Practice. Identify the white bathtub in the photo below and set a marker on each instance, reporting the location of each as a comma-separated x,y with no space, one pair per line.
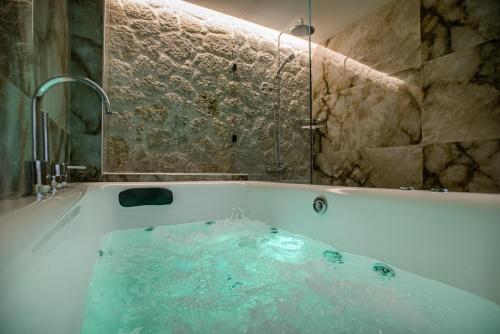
48,249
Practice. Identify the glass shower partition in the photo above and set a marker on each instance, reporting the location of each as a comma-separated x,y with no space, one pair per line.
198,92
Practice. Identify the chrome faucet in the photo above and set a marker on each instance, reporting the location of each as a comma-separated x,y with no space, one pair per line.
42,174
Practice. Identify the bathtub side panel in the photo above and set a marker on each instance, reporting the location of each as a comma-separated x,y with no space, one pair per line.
452,241
191,202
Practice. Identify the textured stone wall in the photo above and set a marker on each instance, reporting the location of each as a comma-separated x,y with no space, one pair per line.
33,48
180,107
409,96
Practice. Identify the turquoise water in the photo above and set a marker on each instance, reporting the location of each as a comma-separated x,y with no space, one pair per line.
243,276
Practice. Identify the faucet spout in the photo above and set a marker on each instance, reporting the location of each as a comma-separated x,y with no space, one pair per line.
40,176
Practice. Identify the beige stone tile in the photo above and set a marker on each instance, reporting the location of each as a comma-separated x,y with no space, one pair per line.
449,26
333,72
391,167
388,111
472,166
341,122
462,95
388,40
118,154
379,113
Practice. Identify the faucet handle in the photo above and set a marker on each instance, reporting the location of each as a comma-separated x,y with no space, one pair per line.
59,175
77,167
66,168
57,169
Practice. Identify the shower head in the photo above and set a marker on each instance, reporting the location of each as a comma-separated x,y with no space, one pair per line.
301,29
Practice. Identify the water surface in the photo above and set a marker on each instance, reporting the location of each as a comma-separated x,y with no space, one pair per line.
244,276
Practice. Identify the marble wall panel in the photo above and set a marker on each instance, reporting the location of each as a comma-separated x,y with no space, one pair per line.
387,40
51,43
86,19
33,36
16,36
382,112
85,107
367,96
341,126
333,72
59,142
391,167
388,113
462,95
448,99
51,15
463,166
16,86
452,25
15,143
86,60
86,151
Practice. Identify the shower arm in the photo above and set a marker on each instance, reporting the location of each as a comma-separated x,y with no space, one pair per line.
279,44
284,30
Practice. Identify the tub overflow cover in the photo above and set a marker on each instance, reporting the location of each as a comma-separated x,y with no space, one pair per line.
320,205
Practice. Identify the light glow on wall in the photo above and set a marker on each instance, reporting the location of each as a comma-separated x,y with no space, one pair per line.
354,68
215,18
209,17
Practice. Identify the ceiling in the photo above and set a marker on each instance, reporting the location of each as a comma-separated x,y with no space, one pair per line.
328,16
